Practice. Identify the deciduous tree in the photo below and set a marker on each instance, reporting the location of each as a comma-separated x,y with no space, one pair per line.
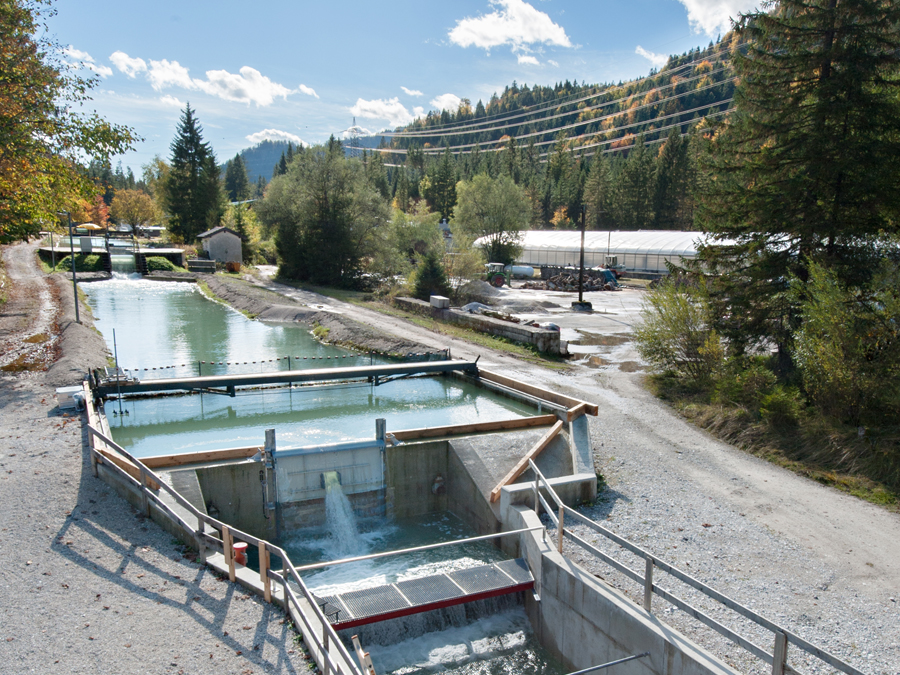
496,210
43,136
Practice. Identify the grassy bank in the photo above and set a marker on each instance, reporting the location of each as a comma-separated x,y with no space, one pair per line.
864,466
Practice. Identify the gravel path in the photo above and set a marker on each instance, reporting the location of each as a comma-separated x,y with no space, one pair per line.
86,584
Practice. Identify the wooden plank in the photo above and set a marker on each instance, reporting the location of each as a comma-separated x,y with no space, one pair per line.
228,551
125,465
522,464
163,461
264,563
538,392
476,428
576,412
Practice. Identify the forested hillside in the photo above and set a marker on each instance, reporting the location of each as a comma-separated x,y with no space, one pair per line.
627,151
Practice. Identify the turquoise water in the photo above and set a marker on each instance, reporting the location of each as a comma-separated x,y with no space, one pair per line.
165,425
166,329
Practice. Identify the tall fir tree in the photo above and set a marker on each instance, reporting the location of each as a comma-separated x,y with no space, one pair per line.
806,168
193,192
634,201
237,185
670,182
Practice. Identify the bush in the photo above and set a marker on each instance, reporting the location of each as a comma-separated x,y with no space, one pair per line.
782,407
430,278
745,382
676,334
84,262
159,264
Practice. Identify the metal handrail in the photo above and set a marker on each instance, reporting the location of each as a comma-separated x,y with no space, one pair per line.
147,495
782,635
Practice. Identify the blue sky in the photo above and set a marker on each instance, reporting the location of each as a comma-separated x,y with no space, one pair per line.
301,70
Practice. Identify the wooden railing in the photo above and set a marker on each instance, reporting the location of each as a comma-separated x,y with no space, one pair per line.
783,637
286,577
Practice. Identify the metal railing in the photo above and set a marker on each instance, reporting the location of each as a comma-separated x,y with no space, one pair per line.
329,639
782,636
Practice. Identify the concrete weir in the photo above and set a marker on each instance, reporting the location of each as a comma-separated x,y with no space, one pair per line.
495,476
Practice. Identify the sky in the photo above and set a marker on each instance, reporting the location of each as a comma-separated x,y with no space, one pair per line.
301,71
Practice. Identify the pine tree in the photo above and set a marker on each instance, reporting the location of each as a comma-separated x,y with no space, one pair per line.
237,185
670,182
806,168
193,192
598,194
634,208
441,186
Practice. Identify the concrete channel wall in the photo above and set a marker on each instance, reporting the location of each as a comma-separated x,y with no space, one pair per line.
544,340
584,622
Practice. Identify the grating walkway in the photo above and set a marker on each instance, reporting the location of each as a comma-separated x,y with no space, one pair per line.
370,605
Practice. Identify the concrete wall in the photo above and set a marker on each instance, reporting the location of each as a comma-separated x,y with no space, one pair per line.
543,340
410,472
584,622
223,247
235,492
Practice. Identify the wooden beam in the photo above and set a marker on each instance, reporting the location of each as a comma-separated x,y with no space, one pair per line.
576,412
520,467
476,428
163,461
538,392
115,458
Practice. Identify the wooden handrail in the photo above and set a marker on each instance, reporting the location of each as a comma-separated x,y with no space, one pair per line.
523,463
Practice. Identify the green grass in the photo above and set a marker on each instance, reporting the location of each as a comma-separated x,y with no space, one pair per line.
207,291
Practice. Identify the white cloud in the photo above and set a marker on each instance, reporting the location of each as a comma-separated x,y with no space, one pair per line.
446,102
360,131
166,73
514,23
309,91
76,58
658,60
250,86
171,100
528,60
411,92
714,16
128,65
553,63
274,135
391,110
418,111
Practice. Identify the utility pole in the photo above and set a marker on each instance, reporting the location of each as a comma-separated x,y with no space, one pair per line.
581,305
72,259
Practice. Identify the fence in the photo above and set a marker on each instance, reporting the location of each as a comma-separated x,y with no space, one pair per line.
782,636
134,473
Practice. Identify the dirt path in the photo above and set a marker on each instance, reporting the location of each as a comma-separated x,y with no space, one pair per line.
27,335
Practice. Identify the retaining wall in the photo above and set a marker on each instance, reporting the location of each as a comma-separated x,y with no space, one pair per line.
544,340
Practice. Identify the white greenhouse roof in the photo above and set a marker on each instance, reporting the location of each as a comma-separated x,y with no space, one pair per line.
662,242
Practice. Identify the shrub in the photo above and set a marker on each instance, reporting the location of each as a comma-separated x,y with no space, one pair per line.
430,278
745,382
84,262
159,264
781,407
676,335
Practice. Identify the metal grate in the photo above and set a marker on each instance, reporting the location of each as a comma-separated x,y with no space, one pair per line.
480,579
426,590
517,569
374,601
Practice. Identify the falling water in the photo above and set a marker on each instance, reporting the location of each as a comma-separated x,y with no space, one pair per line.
344,539
122,265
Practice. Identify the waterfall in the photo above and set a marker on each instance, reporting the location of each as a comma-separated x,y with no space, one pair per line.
343,533
122,265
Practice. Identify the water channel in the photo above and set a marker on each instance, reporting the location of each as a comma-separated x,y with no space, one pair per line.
173,327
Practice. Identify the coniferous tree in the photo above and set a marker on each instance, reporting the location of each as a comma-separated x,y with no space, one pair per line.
634,205
441,185
806,168
670,182
260,189
237,185
193,193
598,194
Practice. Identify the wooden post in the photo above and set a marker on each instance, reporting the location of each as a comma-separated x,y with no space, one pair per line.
326,655
779,658
264,563
648,585
145,500
562,513
228,550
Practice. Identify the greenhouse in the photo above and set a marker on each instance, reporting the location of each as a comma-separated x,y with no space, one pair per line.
642,251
